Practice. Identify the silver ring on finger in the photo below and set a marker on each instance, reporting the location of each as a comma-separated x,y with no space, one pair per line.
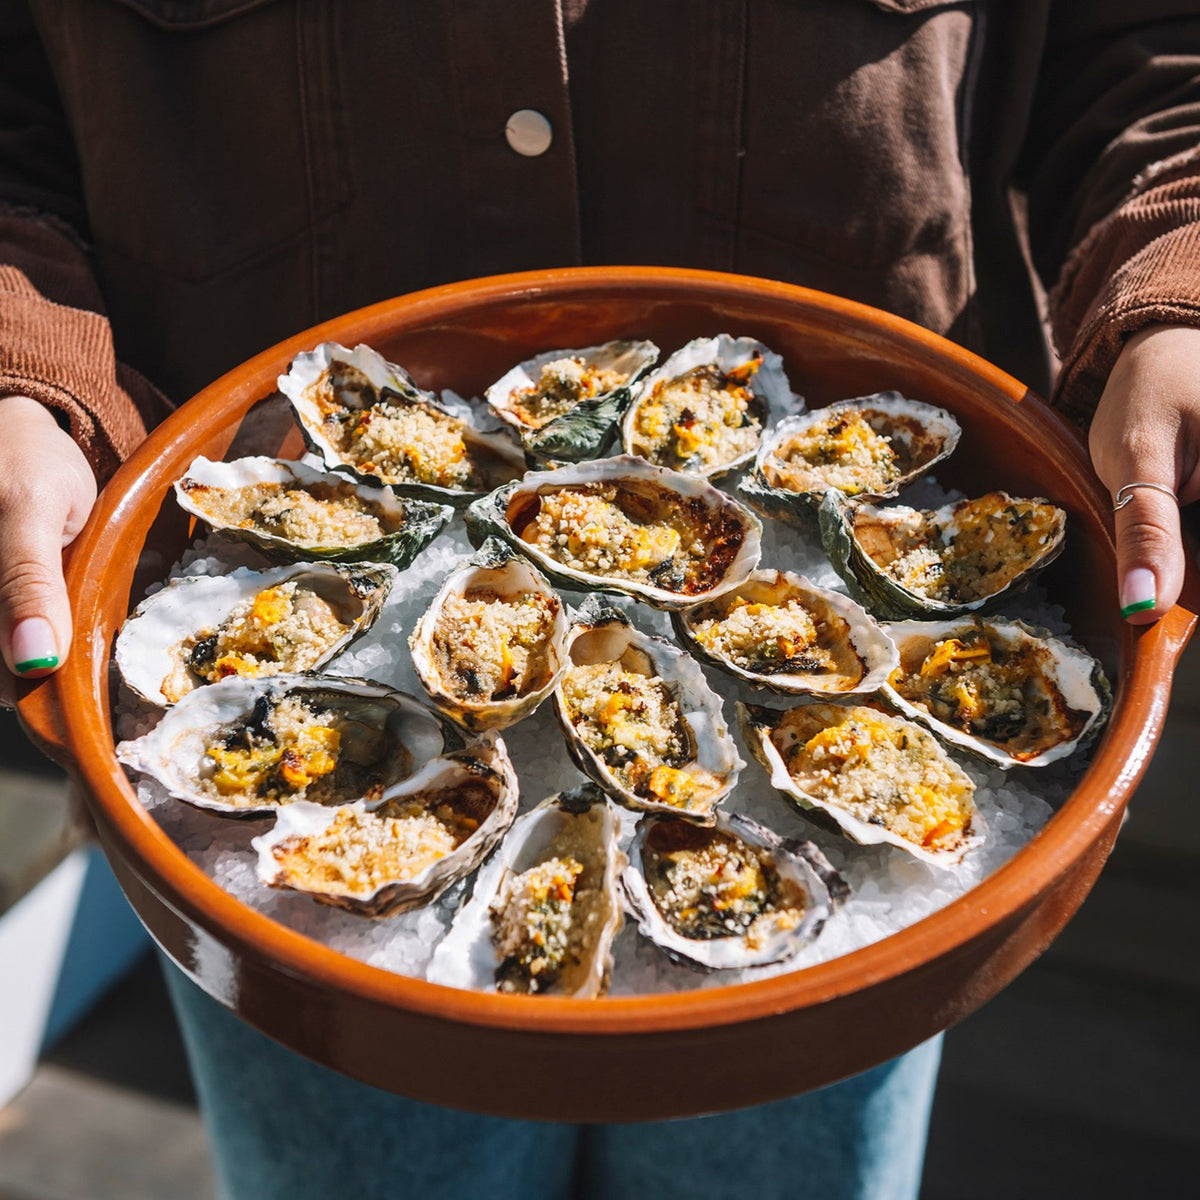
1125,492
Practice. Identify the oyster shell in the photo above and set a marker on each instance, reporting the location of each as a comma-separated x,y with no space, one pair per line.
249,746
881,778
641,720
547,907
728,896
292,512
363,414
252,623
1006,691
777,630
622,525
491,646
868,448
966,556
565,404
704,410
404,849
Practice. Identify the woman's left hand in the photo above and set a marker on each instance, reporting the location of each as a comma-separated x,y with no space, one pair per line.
1147,430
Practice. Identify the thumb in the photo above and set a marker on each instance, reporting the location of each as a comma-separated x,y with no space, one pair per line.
35,616
1150,560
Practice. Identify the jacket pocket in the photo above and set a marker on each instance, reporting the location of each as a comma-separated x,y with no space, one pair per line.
209,132
851,144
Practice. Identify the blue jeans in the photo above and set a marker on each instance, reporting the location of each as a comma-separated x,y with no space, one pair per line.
283,1128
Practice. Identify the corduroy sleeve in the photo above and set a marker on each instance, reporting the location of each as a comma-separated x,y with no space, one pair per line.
55,343
58,352
1115,186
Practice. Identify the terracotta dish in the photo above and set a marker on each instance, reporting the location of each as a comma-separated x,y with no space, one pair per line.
625,1058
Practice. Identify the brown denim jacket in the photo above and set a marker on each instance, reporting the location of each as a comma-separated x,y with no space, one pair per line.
213,175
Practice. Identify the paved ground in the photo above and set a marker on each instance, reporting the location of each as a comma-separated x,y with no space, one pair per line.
1078,1081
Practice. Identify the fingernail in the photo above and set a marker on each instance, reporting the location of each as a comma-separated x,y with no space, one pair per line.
34,646
1138,592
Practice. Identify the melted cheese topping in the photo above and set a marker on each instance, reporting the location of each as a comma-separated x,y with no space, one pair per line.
492,649
360,851
317,516
613,531
984,545
879,768
698,421
1003,693
394,437
768,639
284,628
633,724
708,884
290,749
532,924
562,384
842,451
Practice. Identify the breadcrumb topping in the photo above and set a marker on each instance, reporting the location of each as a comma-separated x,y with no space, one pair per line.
709,884
486,648
562,384
881,769
634,724
986,543
613,530
701,420
313,516
283,628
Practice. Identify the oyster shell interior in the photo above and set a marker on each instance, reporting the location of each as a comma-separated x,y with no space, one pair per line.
490,647
869,447
564,404
248,746
641,720
705,409
362,412
963,556
292,511
622,525
403,849
880,777
732,895
545,910
997,688
780,631
201,629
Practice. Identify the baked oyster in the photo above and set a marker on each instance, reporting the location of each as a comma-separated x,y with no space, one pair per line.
867,448
293,512
363,414
246,747
999,688
640,719
779,631
730,895
622,525
881,778
705,409
546,908
404,849
204,628
491,646
966,556
565,404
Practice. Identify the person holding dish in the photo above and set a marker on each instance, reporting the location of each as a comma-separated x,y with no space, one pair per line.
244,170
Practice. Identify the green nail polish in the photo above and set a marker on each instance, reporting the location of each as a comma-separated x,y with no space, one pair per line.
37,664
1130,609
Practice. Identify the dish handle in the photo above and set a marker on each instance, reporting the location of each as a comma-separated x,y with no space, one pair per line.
40,713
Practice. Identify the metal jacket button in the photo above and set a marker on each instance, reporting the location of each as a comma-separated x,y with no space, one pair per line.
528,132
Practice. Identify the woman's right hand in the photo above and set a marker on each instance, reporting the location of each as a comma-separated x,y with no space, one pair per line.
47,490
